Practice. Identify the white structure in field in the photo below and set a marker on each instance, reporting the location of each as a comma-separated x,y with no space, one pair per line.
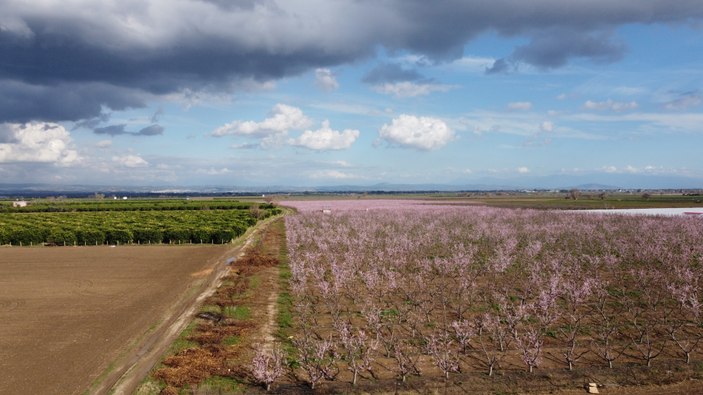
19,203
687,211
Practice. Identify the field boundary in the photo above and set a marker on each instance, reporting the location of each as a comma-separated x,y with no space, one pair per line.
124,375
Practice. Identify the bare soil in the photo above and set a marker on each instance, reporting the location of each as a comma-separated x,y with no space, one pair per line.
69,315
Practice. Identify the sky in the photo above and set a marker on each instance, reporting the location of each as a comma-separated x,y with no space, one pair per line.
351,92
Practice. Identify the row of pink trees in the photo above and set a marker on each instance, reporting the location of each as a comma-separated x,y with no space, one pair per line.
395,291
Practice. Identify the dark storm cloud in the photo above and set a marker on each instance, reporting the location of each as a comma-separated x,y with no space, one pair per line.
391,72
152,130
68,60
22,102
553,48
92,123
121,129
112,130
500,66
440,32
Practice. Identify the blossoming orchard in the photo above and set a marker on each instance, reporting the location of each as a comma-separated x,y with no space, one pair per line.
406,290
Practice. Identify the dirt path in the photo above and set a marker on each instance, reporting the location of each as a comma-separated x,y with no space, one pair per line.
272,311
272,280
267,308
126,377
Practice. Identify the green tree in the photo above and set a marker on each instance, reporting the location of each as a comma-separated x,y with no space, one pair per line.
90,236
223,236
28,236
203,235
4,236
61,236
118,236
177,235
147,235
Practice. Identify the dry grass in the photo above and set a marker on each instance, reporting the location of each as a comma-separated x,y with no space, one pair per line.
220,341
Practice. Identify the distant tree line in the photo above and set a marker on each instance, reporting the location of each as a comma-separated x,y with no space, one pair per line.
131,205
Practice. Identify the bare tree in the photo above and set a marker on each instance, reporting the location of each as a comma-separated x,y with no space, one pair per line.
606,329
494,338
268,365
574,194
406,359
440,349
317,358
530,343
358,349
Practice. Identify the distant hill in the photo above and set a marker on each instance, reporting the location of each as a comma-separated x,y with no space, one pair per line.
603,181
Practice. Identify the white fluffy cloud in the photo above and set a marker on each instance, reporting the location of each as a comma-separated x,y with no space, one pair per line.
281,119
325,80
523,170
326,139
411,89
36,142
131,161
423,133
610,105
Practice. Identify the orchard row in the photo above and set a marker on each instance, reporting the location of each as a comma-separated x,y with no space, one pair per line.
438,290
125,227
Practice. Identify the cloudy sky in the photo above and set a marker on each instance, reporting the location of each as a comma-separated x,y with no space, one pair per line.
319,92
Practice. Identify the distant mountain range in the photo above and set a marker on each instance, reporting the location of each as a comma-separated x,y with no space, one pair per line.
555,182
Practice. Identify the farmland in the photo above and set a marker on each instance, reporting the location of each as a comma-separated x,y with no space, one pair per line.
74,317
374,295
213,354
420,296
136,222
589,200
69,313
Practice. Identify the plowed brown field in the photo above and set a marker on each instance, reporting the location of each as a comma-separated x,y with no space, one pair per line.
67,314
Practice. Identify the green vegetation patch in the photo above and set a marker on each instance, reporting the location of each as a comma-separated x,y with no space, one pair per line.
231,340
182,343
65,225
218,384
237,312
